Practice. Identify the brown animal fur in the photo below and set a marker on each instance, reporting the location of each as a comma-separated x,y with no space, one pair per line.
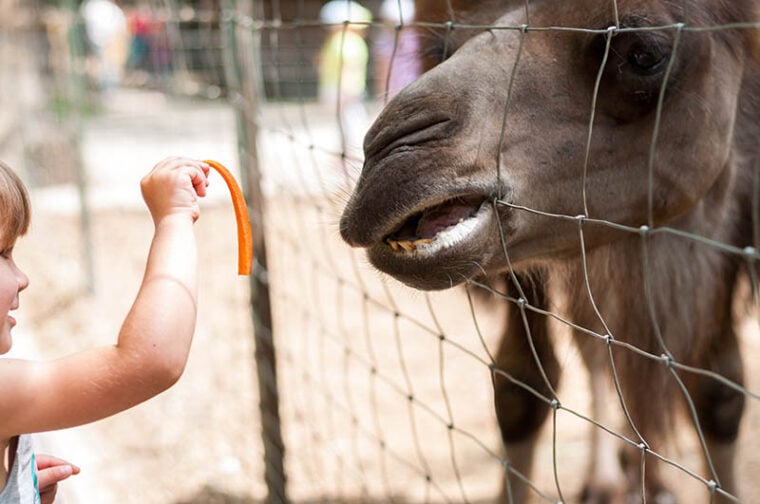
505,119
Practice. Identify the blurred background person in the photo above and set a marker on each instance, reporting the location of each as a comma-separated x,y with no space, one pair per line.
395,48
141,27
343,62
106,28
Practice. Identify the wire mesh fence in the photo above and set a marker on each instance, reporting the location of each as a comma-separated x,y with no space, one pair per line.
370,391
386,393
82,150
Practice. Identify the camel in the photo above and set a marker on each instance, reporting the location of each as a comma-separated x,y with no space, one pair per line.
598,156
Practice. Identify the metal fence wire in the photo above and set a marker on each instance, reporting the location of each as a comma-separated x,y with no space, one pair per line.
385,393
370,391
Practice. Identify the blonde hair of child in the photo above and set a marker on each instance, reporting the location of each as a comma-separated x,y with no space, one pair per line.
15,207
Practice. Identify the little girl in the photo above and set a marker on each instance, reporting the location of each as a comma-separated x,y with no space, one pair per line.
148,357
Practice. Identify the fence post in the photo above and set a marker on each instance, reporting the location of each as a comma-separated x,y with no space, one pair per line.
76,91
240,61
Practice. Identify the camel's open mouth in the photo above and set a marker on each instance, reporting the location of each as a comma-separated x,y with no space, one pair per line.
439,226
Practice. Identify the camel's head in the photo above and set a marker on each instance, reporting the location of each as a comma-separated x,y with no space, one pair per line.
535,117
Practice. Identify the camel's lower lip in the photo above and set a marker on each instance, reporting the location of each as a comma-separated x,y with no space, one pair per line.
453,223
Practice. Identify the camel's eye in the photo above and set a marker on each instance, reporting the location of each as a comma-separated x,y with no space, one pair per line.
635,68
646,58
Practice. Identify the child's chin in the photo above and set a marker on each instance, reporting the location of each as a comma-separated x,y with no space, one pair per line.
5,338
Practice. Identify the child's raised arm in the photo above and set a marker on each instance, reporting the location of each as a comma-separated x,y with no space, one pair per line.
154,340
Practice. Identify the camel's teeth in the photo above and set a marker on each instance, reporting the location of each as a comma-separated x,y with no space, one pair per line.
407,245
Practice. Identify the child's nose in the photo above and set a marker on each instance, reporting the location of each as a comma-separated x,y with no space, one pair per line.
23,280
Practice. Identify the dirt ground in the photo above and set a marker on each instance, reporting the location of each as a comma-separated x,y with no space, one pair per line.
199,442
376,405
201,434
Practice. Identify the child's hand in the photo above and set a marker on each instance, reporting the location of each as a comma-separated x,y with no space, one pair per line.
51,470
173,187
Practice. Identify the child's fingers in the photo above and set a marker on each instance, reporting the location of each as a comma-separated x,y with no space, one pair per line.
206,170
52,475
173,163
195,169
47,495
174,185
199,179
51,470
45,461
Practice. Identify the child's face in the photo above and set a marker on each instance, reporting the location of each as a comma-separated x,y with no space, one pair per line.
12,282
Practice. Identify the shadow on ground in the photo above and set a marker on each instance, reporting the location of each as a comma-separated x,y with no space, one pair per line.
211,495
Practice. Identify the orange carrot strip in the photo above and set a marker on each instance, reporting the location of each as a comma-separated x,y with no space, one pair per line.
244,233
